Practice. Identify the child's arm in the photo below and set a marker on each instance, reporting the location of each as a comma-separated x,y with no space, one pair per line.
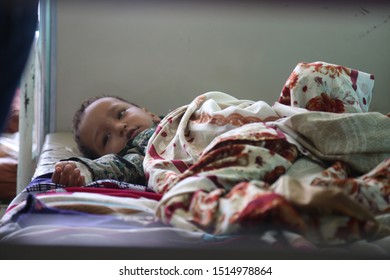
125,168
80,171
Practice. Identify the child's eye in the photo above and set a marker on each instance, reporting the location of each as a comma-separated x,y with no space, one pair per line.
121,113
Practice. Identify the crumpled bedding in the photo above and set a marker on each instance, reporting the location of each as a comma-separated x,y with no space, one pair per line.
105,213
229,166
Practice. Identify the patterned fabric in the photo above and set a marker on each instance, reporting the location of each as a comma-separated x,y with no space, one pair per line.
221,164
357,139
370,189
44,185
326,87
89,219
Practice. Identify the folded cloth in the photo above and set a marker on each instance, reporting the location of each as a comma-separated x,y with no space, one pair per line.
321,86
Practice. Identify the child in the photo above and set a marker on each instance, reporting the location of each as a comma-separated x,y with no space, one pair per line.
112,134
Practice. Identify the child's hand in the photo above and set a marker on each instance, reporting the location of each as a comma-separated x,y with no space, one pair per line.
66,173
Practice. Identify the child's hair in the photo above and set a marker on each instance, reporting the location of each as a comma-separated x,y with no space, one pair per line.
77,117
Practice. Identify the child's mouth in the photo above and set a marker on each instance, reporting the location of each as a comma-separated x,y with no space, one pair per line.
131,133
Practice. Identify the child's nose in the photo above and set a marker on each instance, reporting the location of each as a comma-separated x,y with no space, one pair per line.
121,129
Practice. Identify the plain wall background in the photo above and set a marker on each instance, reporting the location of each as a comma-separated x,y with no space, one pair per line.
161,56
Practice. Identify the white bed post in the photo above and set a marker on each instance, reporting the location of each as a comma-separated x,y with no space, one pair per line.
26,121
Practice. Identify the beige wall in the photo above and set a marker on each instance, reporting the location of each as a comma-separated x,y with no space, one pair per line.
162,56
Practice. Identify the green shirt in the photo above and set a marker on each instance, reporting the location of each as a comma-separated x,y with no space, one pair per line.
125,166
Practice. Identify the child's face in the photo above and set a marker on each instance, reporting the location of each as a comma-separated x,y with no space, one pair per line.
108,124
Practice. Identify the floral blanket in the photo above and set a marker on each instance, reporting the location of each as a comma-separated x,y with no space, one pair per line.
316,163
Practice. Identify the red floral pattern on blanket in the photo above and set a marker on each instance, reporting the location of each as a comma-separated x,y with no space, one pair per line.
231,176
326,87
371,190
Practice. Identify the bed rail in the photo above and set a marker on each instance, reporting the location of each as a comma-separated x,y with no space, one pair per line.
28,86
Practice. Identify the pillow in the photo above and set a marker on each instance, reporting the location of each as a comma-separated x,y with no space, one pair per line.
321,86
